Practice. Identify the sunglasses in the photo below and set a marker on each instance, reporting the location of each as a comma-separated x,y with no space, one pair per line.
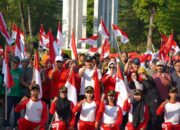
62,91
112,67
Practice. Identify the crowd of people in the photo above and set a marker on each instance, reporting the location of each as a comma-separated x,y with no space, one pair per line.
152,103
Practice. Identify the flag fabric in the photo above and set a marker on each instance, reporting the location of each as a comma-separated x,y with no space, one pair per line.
52,53
120,87
103,30
105,49
37,76
4,31
73,48
92,51
122,34
44,39
90,41
8,80
14,31
59,40
97,93
19,47
71,86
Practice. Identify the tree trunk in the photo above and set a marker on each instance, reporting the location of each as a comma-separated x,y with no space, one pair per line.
22,16
149,37
29,21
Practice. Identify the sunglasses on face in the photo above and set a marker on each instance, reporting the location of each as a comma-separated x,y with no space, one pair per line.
112,67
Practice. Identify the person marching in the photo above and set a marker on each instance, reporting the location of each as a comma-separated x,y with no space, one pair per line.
110,113
171,109
62,108
138,112
36,111
88,110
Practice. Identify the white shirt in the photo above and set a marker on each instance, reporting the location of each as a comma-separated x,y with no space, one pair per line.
88,111
34,111
172,113
87,80
110,114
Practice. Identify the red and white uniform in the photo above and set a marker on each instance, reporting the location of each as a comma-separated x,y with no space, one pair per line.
87,80
171,115
58,124
87,116
110,115
35,114
129,108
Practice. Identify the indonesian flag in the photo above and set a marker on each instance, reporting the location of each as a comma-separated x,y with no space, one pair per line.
52,53
44,39
37,76
19,48
59,39
122,34
71,86
97,94
73,48
14,31
4,31
105,49
92,51
103,30
120,87
8,80
90,41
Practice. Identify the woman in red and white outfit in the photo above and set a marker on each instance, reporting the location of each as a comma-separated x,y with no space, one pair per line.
62,108
110,113
88,111
35,111
109,79
171,109
138,112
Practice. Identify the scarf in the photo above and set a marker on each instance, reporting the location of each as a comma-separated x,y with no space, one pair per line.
138,112
63,109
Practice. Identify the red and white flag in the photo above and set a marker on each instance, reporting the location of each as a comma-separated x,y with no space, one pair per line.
44,39
37,76
20,45
103,30
120,87
122,34
52,53
8,80
71,86
97,92
73,47
59,38
14,31
105,49
90,41
92,51
4,31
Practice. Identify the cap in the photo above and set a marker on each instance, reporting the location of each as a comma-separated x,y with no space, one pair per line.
136,61
160,63
64,89
89,88
137,92
25,60
58,58
111,63
36,86
154,61
16,59
88,58
173,89
142,70
111,92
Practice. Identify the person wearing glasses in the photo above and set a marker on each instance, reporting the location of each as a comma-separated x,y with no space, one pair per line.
88,111
61,107
109,114
109,79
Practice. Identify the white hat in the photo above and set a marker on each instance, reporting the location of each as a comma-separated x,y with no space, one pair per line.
58,58
160,62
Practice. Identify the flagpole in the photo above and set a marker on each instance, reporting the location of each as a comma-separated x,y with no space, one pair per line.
5,103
